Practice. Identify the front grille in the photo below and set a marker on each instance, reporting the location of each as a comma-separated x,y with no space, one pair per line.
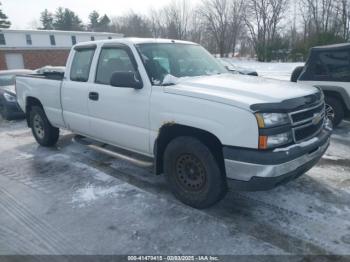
307,123
303,133
306,115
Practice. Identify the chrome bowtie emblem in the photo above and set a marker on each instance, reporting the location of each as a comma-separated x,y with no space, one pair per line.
317,119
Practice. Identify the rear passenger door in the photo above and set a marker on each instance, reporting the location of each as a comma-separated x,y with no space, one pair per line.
75,91
119,115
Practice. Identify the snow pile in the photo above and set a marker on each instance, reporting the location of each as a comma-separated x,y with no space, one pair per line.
89,194
333,158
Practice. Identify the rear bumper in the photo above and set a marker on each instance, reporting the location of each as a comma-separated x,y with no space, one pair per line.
13,110
253,170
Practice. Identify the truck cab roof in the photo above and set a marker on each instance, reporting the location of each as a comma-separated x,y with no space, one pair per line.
136,41
331,47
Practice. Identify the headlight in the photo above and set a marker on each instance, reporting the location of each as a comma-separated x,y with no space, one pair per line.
10,98
266,120
273,141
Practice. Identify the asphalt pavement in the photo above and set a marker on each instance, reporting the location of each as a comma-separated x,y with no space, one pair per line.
73,200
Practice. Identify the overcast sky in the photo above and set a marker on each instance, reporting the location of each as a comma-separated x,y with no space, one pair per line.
22,13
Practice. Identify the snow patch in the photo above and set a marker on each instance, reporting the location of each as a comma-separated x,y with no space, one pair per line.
334,158
90,193
96,174
25,156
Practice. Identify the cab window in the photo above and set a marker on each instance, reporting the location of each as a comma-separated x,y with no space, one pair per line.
81,65
113,59
335,66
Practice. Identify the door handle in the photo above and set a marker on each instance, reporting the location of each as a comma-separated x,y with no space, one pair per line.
93,96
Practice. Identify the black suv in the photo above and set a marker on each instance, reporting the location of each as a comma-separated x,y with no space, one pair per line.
328,67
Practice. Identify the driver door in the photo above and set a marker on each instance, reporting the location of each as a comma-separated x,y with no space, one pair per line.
119,115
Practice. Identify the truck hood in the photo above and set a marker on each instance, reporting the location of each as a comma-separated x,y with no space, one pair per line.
240,91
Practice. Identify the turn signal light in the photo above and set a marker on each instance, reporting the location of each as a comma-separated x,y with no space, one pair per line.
263,142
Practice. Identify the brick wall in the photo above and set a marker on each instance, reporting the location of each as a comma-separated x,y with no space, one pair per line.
34,59
2,61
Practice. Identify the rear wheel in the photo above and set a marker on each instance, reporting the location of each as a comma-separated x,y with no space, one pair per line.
334,110
193,173
44,133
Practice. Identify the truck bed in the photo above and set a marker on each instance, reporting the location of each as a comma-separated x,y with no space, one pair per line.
45,88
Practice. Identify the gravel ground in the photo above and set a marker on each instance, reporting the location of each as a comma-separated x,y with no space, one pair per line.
72,200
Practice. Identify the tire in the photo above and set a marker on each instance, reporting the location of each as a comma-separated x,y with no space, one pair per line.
193,174
334,110
296,73
45,134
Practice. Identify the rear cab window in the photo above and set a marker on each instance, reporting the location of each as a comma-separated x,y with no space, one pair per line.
81,64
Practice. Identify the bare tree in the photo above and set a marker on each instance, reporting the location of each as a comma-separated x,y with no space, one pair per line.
176,19
263,20
236,22
156,23
320,13
344,10
216,15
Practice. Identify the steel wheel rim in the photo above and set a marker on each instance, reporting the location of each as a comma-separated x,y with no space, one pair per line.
190,173
38,126
330,112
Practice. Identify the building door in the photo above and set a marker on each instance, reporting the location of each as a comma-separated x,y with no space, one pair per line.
14,61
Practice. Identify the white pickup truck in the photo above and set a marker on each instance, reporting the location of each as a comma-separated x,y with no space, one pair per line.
171,104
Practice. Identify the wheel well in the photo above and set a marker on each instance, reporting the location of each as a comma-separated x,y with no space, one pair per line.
171,131
339,97
30,103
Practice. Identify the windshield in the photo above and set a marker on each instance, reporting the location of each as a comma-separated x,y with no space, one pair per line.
179,60
7,80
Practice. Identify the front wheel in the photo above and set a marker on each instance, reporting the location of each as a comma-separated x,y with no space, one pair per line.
193,173
44,133
334,110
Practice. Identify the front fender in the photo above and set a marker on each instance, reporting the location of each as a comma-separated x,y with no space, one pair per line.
231,125
339,90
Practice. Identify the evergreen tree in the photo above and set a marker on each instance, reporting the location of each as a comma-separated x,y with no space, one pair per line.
94,18
104,24
4,23
66,19
46,19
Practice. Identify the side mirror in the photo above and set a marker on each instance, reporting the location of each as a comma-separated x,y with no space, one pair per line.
126,79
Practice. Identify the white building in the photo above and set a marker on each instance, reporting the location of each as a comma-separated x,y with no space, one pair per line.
32,49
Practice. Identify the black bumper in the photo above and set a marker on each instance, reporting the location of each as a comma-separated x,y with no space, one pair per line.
13,110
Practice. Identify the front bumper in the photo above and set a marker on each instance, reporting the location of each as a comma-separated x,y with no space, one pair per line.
253,170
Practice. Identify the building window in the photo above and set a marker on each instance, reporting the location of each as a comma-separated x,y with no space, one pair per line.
52,40
109,37
74,39
2,39
92,38
29,39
